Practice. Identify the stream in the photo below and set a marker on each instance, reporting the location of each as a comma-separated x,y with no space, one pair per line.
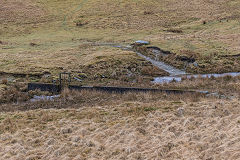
161,65
176,75
168,79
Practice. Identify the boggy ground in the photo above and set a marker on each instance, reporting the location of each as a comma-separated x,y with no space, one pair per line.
130,126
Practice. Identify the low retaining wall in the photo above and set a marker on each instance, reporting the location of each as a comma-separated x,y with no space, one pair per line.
44,87
57,88
123,89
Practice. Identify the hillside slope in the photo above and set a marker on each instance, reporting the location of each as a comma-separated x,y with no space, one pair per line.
44,35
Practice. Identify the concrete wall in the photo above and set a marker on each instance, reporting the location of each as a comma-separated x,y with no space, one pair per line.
44,87
56,88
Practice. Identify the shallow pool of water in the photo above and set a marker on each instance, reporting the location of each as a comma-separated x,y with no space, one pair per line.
44,98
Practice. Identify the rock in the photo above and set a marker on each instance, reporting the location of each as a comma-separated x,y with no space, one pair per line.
141,43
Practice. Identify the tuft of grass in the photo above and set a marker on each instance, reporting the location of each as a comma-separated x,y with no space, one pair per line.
150,109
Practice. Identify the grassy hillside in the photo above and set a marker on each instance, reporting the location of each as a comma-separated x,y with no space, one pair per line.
46,35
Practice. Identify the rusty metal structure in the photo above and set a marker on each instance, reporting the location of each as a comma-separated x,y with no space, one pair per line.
64,79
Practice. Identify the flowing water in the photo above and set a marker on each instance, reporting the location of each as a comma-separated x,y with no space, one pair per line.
176,75
168,79
163,66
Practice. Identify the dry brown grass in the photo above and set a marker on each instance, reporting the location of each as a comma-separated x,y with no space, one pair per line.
159,129
78,99
20,12
151,14
227,85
